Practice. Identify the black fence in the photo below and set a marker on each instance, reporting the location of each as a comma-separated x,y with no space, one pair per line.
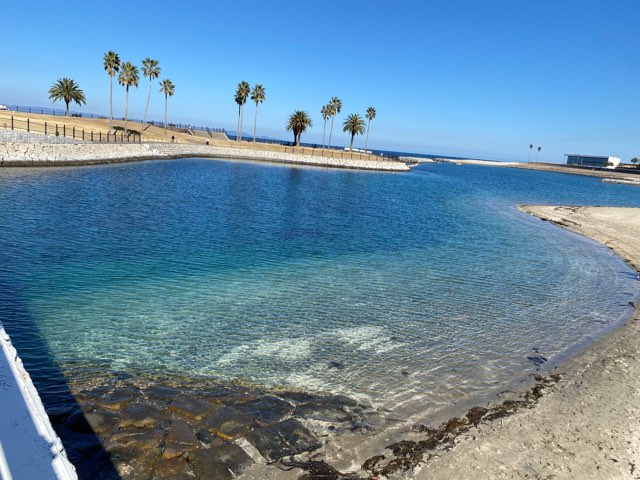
28,125
61,113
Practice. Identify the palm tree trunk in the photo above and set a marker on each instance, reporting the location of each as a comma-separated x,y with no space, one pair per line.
331,131
529,159
351,144
255,122
241,119
144,119
366,142
126,109
166,100
66,113
111,102
238,131
324,129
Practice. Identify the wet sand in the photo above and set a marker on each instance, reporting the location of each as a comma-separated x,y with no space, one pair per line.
588,424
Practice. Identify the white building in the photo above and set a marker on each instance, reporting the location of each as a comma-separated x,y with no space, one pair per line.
592,160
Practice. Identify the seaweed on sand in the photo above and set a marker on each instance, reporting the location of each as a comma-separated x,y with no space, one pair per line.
318,470
408,454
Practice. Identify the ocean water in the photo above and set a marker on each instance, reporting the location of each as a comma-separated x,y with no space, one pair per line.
409,291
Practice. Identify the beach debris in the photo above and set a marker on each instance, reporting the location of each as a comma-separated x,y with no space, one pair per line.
537,360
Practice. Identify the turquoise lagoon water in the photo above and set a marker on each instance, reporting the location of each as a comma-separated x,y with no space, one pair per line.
403,289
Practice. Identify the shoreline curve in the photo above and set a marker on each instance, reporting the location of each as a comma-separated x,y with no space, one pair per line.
585,426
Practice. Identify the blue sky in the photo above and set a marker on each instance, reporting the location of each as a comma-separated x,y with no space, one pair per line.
453,77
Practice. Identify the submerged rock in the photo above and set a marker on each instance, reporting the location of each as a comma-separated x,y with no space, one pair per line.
323,410
173,469
117,399
160,395
140,415
136,440
180,440
267,409
191,407
296,397
219,462
282,439
228,423
134,464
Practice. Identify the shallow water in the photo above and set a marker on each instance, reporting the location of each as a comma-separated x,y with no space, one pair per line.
410,291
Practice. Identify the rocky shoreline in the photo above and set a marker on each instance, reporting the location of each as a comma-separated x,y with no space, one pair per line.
48,155
163,427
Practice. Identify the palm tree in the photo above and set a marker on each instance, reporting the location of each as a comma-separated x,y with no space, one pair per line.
634,160
354,124
336,106
530,148
168,88
150,69
68,90
371,114
128,78
326,113
242,92
298,122
539,148
258,96
111,62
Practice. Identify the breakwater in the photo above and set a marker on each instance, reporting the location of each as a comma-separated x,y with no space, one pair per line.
41,154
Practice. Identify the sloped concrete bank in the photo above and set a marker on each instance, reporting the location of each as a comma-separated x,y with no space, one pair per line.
32,155
29,447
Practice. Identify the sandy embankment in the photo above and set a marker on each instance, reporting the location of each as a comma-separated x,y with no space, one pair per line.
588,425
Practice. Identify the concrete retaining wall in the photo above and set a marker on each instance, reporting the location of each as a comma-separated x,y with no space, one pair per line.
35,154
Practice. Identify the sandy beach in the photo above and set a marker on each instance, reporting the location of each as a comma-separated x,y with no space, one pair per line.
586,425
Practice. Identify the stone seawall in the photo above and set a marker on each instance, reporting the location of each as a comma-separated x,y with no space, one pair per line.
31,154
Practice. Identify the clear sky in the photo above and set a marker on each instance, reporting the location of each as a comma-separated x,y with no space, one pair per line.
454,77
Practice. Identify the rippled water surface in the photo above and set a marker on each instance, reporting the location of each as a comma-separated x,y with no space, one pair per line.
403,289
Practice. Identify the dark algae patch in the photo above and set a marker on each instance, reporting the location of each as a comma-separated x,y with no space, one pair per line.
405,455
